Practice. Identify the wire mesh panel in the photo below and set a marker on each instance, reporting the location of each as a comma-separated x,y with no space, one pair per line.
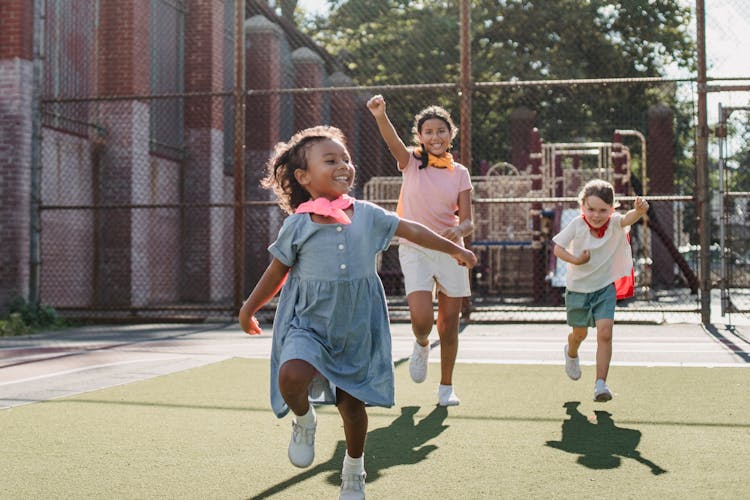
126,229
730,255
143,135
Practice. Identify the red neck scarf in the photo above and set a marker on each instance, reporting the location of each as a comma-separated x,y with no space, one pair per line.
327,208
598,230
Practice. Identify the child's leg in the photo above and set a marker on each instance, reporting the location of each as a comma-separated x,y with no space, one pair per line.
603,347
422,315
420,308
294,377
353,413
449,309
353,474
575,338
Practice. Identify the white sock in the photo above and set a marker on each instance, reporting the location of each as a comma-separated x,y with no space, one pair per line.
353,465
445,389
308,419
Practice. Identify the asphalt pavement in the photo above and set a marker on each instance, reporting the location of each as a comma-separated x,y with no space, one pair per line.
72,361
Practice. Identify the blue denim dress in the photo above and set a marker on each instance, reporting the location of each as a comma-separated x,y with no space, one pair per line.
332,312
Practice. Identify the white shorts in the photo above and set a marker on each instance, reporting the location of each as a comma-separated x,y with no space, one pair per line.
426,269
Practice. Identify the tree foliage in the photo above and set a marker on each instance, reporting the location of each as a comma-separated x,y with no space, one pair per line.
403,42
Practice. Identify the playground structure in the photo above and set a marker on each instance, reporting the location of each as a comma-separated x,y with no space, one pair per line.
518,210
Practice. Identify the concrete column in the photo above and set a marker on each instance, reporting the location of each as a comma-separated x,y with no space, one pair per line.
124,68
263,123
206,264
308,73
16,81
343,105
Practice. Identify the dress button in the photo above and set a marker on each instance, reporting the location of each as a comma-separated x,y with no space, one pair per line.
343,266
339,228
341,246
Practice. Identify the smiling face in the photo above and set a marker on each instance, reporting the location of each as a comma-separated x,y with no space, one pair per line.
436,135
596,210
329,171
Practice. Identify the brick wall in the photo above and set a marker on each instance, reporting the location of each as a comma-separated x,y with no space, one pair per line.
206,265
204,62
15,177
68,251
123,57
123,70
308,73
16,29
134,257
16,52
263,121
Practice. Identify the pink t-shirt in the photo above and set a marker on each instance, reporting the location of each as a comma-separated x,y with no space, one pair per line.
430,195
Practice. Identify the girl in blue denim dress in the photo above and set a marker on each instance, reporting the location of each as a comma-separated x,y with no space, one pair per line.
331,333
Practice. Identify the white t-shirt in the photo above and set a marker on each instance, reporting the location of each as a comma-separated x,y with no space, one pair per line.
611,256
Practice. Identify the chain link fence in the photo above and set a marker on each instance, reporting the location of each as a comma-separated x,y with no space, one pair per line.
138,208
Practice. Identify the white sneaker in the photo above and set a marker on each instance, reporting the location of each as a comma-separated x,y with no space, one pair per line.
353,486
302,444
418,362
572,365
446,396
602,394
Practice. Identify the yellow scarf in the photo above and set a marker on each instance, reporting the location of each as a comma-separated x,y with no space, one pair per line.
445,161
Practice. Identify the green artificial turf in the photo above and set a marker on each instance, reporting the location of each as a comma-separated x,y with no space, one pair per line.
521,431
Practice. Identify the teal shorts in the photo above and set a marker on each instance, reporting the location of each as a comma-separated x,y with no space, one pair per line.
585,308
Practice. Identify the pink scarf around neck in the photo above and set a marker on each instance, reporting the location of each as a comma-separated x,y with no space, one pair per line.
327,208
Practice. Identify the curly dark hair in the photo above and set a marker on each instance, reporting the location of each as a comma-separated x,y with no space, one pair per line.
428,113
290,156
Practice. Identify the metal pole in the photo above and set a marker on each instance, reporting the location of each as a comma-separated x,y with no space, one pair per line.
466,84
35,252
703,195
721,135
240,96
464,93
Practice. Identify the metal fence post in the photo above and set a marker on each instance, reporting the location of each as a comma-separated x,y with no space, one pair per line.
465,91
240,97
703,194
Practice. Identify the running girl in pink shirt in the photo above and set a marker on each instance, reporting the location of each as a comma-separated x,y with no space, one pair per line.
436,192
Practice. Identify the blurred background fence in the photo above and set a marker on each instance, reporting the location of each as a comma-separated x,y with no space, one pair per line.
153,143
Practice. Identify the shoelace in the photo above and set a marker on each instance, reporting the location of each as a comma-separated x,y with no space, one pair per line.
353,482
300,432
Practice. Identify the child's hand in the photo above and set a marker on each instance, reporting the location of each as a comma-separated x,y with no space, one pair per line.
584,257
466,258
254,327
452,233
376,105
640,205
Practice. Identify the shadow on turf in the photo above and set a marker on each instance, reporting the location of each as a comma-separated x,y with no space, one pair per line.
600,444
401,443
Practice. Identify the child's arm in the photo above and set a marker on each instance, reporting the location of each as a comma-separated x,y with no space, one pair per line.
268,286
465,219
568,257
423,236
640,207
376,105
